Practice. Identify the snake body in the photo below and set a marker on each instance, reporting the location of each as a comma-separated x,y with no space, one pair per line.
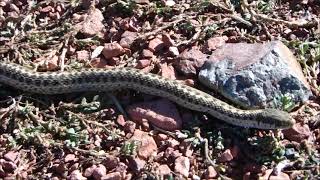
130,78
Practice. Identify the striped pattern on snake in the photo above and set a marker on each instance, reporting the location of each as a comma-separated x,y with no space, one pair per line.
130,78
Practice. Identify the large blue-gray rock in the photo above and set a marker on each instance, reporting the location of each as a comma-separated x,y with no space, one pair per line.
255,75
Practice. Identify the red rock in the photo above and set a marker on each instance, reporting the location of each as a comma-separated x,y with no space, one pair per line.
210,173
226,156
167,71
170,152
173,143
110,162
112,176
186,149
99,63
162,137
127,38
142,1
182,166
120,120
269,176
11,156
297,133
47,63
74,166
82,55
92,24
7,166
137,164
70,158
148,146
99,171
216,42
163,170
88,172
76,175
130,127
112,50
162,113
155,45
167,40
122,168
47,9
142,63
190,61
146,53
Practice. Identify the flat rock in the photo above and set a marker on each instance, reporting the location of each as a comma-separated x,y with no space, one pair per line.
162,113
92,24
147,147
182,166
255,75
297,133
190,61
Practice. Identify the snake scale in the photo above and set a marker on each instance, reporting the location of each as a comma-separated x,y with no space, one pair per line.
130,78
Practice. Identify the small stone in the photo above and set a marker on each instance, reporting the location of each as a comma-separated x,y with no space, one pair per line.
142,63
92,24
171,153
156,45
211,173
99,171
99,63
269,176
82,55
112,176
162,113
162,137
146,53
129,127
297,133
112,50
11,156
226,156
7,166
167,40
111,162
147,147
88,172
137,164
169,3
216,42
121,168
120,120
127,38
76,175
142,1
190,61
173,143
182,166
163,170
70,158
167,71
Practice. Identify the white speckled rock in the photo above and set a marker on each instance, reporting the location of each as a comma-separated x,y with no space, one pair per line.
255,75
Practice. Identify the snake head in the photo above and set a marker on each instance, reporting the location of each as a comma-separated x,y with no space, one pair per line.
275,119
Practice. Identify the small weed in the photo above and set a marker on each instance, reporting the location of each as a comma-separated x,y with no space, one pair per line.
267,149
284,102
129,148
126,8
